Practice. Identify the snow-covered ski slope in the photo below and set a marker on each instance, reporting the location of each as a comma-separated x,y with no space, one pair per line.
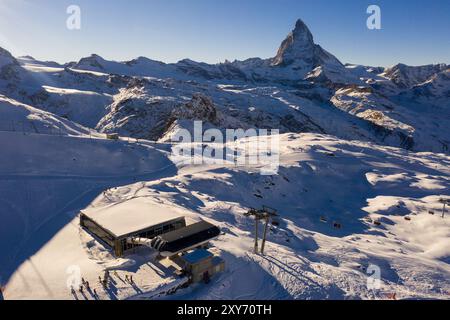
322,181
44,177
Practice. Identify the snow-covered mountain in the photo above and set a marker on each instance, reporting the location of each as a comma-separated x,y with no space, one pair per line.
364,148
9,68
302,88
407,77
435,92
297,56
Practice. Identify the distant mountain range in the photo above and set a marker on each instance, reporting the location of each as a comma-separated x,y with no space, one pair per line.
303,88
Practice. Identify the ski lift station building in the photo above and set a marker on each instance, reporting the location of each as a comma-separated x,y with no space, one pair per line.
133,223
117,224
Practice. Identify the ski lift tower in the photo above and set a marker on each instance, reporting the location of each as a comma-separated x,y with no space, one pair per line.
445,202
267,214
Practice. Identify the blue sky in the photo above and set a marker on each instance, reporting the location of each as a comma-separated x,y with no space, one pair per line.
414,31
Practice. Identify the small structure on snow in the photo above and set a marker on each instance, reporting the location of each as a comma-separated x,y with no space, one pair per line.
201,265
112,136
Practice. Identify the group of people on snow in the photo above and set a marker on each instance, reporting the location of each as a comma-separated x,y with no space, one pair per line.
103,281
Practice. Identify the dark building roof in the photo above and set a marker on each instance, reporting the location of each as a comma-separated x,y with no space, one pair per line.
187,237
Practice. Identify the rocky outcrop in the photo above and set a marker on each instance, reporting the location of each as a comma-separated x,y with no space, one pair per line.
200,108
8,66
408,76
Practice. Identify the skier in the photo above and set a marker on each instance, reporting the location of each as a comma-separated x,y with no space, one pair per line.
81,289
131,279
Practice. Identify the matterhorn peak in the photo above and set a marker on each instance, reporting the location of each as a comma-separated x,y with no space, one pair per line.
299,50
302,32
299,44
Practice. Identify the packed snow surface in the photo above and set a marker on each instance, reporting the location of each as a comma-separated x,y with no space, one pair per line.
386,201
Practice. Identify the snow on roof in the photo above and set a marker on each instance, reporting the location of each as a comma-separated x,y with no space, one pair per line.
197,256
131,216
